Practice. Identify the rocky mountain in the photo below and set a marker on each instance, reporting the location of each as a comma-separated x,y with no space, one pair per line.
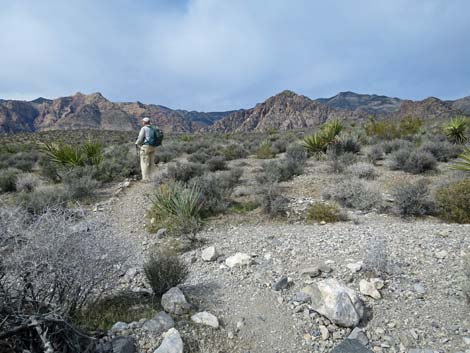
368,103
286,110
462,104
94,111
289,110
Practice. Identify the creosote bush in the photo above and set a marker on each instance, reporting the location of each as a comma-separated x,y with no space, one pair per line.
164,270
27,182
453,201
272,202
413,199
79,183
43,198
354,193
216,163
339,162
375,154
8,179
265,150
323,212
362,170
412,161
185,171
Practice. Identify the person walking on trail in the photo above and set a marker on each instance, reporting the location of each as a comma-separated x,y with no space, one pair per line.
149,138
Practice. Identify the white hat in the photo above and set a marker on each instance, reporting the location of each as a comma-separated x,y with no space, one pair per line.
146,120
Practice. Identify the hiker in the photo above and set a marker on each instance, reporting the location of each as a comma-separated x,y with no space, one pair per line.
149,138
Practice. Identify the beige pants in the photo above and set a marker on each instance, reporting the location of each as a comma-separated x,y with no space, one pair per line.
147,161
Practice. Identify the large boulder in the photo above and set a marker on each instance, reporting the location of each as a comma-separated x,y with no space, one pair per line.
205,318
172,342
174,302
340,304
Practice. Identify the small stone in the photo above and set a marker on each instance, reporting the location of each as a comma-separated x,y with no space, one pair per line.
240,324
239,259
322,223
205,318
161,233
160,323
123,344
209,254
301,297
324,332
441,254
310,271
358,334
230,335
174,302
368,288
172,342
466,340
355,267
350,346
419,289
281,284
119,326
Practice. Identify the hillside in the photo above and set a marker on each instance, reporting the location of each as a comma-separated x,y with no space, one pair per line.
288,110
94,111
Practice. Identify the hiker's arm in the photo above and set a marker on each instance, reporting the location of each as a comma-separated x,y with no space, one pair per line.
140,139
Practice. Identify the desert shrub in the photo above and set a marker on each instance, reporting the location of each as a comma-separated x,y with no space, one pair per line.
395,145
419,162
339,163
355,193
399,158
199,157
243,207
453,201
409,125
43,198
362,170
8,179
323,212
272,202
164,156
164,270
455,130
265,150
184,171
388,130
44,276
279,146
443,151
273,172
27,182
216,163
345,144
79,182
118,163
377,257
24,160
49,169
296,152
464,161
216,190
177,208
375,154
234,151
413,199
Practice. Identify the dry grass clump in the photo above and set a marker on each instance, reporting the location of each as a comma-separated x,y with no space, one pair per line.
355,193
323,212
453,201
164,270
27,182
272,202
413,199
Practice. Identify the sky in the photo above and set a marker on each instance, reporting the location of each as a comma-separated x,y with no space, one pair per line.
213,55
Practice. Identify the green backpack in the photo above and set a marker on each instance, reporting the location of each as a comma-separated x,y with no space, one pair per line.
155,136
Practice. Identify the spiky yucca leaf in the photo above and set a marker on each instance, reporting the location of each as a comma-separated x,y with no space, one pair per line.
331,130
315,143
464,162
455,129
65,155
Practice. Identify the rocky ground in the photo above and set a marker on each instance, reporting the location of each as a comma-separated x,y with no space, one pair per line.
419,305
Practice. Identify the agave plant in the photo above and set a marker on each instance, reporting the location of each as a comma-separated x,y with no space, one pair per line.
331,130
264,150
63,154
315,144
464,162
455,129
93,152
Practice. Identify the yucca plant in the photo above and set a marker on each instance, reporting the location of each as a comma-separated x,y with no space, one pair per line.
178,207
63,154
455,129
315,144
464,162
331,129
93,152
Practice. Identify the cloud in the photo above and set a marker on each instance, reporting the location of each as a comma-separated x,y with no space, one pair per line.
215,55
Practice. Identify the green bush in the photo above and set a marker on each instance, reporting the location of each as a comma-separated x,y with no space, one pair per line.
66,155
453,201
184,171
265,150
419,162
216,163
395,145
318,142
339,163
8,179
164,270
322,212
443,151
234,151
177,208
375,154
27,182
464,161
413,199
389,130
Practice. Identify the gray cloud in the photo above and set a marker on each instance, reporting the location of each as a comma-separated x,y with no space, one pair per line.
214,55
